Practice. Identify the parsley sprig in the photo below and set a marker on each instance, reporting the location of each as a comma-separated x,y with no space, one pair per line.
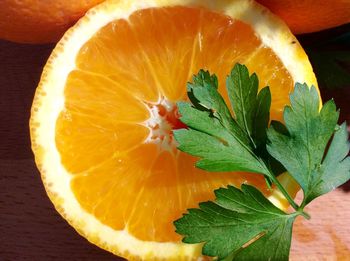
242,223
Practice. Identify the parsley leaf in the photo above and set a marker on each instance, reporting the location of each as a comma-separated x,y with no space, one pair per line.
235,219
302,151
232,142
252,111
204,95
242,223
226,153
335,162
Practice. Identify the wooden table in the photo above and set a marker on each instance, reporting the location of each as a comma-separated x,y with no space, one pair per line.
31,229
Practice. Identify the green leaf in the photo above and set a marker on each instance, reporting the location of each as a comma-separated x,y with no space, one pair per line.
204,96
226,153
252,111
243,224
301,152
261,117
335,168
219,156
230,225
214,135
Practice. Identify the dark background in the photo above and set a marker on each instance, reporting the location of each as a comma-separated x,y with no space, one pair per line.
30,228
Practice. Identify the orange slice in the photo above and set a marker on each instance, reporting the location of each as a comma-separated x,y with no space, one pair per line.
104,111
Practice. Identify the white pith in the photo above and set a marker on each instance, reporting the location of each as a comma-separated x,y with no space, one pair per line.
160,128
49,102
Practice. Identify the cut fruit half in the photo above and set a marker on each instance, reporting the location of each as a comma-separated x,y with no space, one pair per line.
104,111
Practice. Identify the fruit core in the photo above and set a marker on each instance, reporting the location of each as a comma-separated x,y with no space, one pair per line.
164,119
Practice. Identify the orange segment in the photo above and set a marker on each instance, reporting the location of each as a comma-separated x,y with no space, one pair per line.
165,37
271,72
104,190
96,95
76,132
105,109
114,53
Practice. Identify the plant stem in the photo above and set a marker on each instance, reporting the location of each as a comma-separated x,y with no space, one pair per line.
304,214
299,209
285,193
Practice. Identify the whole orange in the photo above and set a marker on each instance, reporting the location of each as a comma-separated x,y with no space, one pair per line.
309,15
40,21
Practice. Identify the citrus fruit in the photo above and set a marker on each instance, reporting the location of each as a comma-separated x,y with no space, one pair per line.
103,114
40,21
310,16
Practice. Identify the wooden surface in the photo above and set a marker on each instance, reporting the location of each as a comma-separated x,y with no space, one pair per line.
30,228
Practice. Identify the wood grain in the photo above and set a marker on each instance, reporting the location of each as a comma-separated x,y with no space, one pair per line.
31,229
327,235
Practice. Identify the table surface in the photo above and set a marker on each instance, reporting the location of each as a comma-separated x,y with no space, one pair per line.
31,229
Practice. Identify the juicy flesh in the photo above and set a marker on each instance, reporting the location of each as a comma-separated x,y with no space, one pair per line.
120,175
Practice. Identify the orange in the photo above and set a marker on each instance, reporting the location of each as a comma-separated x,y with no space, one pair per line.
310,16
103,114
37,21
40,21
